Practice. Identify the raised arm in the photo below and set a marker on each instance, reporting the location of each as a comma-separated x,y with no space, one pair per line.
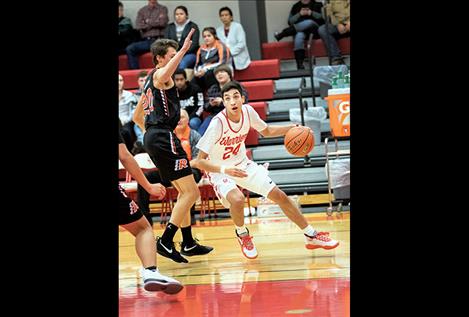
164,74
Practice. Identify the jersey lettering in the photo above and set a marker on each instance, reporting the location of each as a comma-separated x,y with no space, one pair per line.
229,150
147,102
180,164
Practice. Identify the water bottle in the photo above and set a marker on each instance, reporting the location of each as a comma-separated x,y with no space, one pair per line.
334,82
347,80
340,80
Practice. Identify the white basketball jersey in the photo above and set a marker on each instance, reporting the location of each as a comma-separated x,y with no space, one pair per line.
223,141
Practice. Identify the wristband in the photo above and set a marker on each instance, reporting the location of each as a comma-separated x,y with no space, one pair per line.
222,169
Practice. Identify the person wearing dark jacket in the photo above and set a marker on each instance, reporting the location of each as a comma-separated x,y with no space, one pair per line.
191,98
214,105
178,31
305,18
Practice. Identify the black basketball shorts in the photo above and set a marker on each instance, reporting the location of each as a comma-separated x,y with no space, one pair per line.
128,209
167,154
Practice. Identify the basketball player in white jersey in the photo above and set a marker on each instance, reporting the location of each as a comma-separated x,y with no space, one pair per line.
223,155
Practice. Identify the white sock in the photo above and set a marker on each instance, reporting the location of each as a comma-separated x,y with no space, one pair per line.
309,231
241,230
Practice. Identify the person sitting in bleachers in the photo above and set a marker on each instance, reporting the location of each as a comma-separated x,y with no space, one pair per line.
232,34
178,31
151,21
127,103
305,17
127,34
191,98
138,145
339,13
142,77
210,54
214,105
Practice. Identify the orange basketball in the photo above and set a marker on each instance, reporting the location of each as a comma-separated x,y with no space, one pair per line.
299,141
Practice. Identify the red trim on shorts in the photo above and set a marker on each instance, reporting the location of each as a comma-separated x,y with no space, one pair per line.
173,146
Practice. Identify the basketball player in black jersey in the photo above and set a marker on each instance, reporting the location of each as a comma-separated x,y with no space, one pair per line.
132,219
160,105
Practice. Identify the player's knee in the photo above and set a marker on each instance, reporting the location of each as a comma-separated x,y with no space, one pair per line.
237,201
278,195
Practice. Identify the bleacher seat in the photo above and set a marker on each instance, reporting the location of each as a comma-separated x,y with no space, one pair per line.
259,89
261,109
145,61
131,78
253,138
260,69
284,50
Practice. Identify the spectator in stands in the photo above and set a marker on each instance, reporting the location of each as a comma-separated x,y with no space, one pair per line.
127,103
151,21
191,98
211,54
131,219
214,105
178,31
305,17
339,13
234,37
138,145
127,34
189,139
142,77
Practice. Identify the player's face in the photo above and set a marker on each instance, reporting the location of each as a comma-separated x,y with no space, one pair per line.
165,60
180,16
121,12
233,100
179,81
208,38
121,82
225,17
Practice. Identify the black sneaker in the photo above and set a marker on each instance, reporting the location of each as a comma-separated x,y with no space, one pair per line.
169,252
195,249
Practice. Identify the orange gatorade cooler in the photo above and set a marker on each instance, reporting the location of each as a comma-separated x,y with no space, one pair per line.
339,111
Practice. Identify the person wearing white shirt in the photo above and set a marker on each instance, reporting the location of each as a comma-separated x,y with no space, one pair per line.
232,34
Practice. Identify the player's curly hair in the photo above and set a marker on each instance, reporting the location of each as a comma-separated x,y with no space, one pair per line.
160,48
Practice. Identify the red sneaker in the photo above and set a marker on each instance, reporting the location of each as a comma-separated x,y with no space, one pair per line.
320,240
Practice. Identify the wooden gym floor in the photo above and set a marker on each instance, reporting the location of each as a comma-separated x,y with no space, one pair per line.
286,279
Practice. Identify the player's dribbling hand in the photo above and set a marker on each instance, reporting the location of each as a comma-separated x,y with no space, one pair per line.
157,190
234,171
188,41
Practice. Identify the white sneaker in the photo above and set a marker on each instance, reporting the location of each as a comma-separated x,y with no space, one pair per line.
154,281
320,240
247,246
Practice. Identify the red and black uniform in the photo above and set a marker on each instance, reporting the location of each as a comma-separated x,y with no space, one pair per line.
128,209
162,114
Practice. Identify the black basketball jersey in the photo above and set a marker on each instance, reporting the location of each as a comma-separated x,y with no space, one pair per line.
161,107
